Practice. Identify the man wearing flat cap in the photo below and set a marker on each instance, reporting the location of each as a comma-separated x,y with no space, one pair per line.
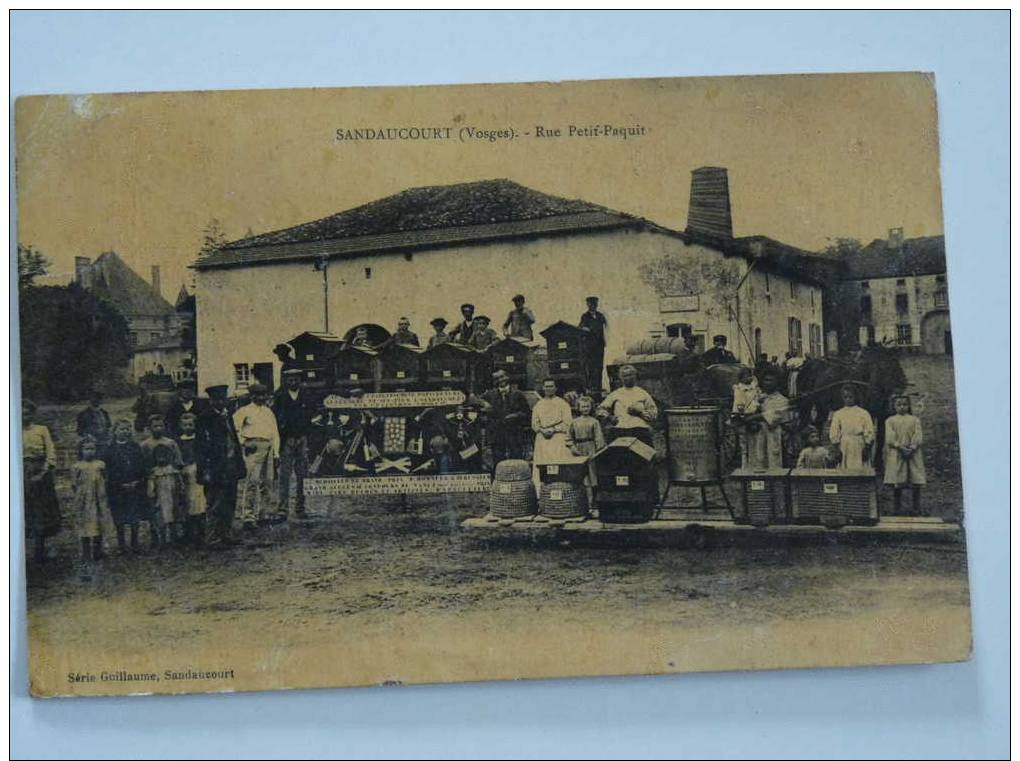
293,409
440,336
220,465
260,443
596,325
185,402
507,412
718,354
483,336
518,323
465,329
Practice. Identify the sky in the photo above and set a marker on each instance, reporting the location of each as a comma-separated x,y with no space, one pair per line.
810,157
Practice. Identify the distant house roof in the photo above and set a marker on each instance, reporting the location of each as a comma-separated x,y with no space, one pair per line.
112,280
471,212
915,256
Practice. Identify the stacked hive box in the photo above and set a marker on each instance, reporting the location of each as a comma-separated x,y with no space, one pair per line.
763,496
834,496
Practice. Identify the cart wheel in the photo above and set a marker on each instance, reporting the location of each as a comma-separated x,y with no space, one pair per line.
697,536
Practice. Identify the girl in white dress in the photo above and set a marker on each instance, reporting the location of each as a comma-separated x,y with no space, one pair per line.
904,462
853,430
550,420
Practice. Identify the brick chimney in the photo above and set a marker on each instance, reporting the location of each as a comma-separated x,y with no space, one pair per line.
895,238
82,271
155,280
708,214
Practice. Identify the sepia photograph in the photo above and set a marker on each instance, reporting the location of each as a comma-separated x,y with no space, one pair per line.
393,385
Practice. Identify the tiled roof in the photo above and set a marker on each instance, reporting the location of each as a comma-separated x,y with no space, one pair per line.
425,217
915,256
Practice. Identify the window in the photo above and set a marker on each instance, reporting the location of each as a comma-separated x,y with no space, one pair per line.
901,283
904,335
902,304
815,339
368,273
796,339
768,285
793,291
758,352
242,376
865,285
812,297
940,279
866,313
942,297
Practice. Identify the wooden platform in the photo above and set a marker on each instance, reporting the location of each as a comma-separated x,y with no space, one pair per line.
699,528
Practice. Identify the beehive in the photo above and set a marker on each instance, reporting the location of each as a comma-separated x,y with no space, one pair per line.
560,500
451,366
512,499
511,356
570,471
763,496
834,496
356,367
400,367
627,481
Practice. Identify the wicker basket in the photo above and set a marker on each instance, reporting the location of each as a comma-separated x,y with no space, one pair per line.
513,470
512,499
563,500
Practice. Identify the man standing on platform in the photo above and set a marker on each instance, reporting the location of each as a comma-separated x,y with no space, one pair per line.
293,409
465,329
595,323
518,323
220,465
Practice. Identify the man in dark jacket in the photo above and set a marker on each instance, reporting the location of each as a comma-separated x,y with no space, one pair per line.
220,464
294,409
595,323
508,412
94,421
185,402
718,354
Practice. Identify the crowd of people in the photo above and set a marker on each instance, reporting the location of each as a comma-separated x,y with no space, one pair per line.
201,461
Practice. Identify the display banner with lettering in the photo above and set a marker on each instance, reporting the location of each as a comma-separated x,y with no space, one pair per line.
458,483
394,399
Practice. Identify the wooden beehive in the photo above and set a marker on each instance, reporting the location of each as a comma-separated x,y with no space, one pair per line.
567,348
315,356
356,367
628,485
511,355
569,470
764,496
833,496
451,366
401,368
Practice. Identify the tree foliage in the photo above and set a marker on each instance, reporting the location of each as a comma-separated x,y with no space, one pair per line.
31,264
841,247
71,343
213,237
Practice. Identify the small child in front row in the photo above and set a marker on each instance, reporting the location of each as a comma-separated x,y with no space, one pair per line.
904,462
166,495
814,455
194,493
584,436
158,438
89,500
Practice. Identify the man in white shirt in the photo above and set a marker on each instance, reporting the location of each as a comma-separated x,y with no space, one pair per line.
629,409
260,442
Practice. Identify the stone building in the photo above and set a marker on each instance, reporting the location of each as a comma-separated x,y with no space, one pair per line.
893,292
424,251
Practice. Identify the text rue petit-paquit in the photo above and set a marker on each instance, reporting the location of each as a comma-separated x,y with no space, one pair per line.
467,134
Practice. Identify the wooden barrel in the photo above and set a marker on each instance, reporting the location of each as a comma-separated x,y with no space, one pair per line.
512,499
563,500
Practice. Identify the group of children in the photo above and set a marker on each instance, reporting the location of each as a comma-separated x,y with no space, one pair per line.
122,484
851,435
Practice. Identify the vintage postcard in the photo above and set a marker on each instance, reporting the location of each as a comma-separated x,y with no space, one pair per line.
429,384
